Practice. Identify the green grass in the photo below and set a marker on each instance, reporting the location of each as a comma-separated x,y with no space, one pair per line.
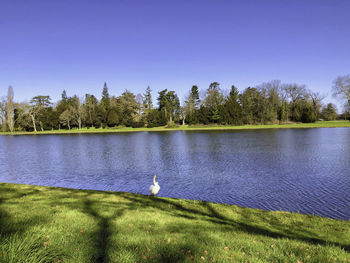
319,124
45,224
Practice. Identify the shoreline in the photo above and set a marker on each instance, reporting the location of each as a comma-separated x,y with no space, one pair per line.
320,124
163,197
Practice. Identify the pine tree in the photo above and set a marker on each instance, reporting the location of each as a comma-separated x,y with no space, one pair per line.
147,102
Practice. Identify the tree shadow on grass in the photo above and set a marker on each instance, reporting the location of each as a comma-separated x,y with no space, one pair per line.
103,243
213,216
95,204
8,225
102,235
18,242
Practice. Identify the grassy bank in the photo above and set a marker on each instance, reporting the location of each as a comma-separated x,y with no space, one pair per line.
319,124
43,224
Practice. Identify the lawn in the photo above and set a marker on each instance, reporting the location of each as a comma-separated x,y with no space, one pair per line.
319,124
45,224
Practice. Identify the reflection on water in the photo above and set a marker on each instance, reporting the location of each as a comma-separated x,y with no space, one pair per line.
305,170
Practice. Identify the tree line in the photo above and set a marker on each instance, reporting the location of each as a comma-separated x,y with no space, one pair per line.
271,102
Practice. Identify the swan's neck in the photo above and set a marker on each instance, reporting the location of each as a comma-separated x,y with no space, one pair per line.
154,179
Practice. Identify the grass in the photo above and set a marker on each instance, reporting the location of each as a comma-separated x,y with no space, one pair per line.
319,124
45,224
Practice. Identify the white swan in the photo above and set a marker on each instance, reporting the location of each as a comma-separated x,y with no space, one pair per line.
154,189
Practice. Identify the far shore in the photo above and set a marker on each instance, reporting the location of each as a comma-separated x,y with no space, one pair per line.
319,124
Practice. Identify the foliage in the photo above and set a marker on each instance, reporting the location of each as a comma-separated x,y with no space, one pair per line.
268,103
169,103
197,127
232,108
147,102
214,101
128,108
112,118
252,103
38,112
329,113
192,103
171,125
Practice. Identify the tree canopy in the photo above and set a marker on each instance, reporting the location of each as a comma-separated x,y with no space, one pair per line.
269,102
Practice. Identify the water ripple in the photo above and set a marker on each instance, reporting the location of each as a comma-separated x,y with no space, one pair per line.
298,170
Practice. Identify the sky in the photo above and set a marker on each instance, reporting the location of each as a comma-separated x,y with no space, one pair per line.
77,45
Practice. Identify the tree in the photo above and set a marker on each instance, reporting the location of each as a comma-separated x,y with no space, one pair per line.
66,118
76,110
23,121
38,105
232,108
10,109
329,113
214,101
3,114
112,118
203,114
192,103
253,103
307,112
194,97
105,103
295,93
316,100
140,109
147,104
169,102
62,105
128,108
147,101
90,110
105,100
341,89
273,102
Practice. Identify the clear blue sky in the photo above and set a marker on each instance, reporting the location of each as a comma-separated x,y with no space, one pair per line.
50,45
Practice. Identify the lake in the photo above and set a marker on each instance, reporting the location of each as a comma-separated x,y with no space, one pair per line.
305,170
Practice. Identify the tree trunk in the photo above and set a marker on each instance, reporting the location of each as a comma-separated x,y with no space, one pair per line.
10,109
171,118
79,122
183,120
41,126
90,117
33,120
68,125
3,124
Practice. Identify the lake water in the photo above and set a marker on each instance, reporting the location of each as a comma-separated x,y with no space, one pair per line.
305,170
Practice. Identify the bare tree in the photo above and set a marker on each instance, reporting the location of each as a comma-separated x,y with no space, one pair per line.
316,99
341,88
10,109
140,109
271,91
76,110
295,93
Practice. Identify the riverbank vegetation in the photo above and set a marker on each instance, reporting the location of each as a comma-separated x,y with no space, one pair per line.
268,103
46,224
318,124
